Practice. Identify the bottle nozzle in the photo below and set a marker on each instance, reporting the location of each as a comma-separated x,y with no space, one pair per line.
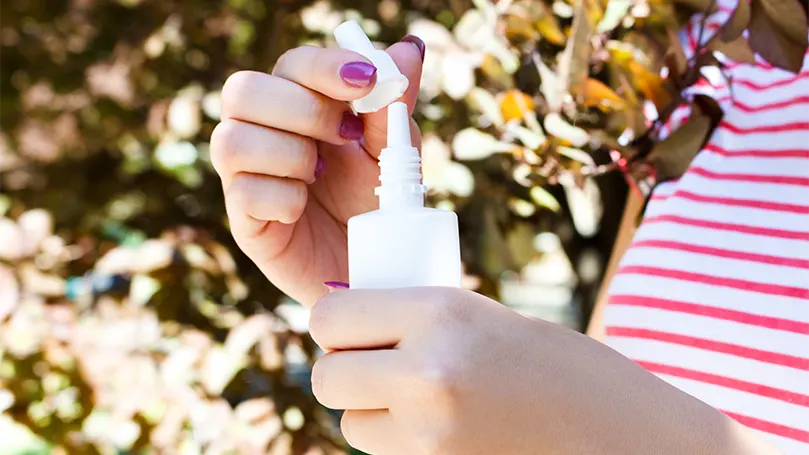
400,164
398,125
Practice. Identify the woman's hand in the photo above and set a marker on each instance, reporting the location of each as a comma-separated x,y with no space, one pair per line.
450,372
296,163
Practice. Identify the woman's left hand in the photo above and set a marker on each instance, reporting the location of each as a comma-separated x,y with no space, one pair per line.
450,372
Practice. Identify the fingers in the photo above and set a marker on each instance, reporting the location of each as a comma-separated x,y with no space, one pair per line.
336,73
408,57
371,432
254,200
371,318
237,146
356,379
276,102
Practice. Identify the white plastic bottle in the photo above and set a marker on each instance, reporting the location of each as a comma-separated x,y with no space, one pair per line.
402,244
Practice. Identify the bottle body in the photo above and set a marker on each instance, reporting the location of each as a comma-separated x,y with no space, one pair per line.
404,248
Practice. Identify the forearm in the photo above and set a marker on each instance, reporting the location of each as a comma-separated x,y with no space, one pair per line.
631,411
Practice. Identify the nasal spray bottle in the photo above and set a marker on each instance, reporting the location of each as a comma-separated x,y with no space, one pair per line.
403,244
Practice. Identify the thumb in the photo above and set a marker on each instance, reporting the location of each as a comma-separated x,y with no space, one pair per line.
408,54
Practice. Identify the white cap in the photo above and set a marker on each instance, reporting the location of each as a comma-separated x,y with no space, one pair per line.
390,82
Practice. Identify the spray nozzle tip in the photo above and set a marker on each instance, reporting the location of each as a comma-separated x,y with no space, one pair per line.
398,125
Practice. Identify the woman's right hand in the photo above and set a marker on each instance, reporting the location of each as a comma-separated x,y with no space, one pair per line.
296,163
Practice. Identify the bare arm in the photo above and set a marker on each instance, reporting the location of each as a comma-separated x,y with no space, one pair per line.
684,418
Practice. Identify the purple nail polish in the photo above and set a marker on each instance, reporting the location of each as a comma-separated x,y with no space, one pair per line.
335,284
320,167
351,127
358,74
416,41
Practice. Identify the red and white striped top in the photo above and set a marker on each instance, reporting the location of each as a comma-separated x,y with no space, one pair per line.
713,293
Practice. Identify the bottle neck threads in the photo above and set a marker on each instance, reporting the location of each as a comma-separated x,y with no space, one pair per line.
400,174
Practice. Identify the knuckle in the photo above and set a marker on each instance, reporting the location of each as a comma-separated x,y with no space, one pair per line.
224,144
434,441
440,382
308,161
239,194
298,194
284,62
319,113
447,306
319,319
291,59
347,428
319,372
236,89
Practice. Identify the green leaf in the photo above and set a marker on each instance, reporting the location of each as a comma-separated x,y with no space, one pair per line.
543,198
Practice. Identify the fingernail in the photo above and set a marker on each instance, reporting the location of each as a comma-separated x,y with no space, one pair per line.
320,166
332,286
351,127
358,74
416,41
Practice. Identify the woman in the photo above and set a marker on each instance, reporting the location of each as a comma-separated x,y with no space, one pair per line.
711,301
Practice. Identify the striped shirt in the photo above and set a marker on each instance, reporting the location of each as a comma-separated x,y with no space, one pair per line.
713,293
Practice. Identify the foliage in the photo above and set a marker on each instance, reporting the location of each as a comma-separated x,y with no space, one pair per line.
130,321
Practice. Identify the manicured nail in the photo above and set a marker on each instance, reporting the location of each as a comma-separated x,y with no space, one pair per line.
332,286
358,74
351,128
320,167
416,41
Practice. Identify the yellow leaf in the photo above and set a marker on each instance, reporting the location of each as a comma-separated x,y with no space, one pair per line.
548,28
595,94
514,104
650,84
494,71
519,27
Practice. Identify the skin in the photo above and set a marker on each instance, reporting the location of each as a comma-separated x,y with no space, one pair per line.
422,370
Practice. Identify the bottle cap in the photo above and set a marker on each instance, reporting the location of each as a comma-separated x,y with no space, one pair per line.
390,82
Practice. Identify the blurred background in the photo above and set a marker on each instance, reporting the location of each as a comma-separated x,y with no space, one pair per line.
129,320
